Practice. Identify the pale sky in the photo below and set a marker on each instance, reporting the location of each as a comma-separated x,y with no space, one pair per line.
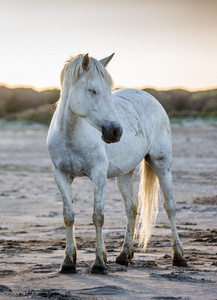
157,43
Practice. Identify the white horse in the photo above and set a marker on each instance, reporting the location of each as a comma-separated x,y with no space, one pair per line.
100,134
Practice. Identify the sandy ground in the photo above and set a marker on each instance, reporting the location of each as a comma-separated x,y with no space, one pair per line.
32,236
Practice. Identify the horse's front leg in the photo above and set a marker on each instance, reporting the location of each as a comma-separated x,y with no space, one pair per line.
99,180
64,182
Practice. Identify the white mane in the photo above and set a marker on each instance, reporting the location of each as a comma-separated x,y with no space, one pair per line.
73,67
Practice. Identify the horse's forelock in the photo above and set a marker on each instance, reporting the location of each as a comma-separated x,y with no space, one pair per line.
70,71
73,67
96,68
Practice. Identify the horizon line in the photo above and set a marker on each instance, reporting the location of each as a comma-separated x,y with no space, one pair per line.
115,87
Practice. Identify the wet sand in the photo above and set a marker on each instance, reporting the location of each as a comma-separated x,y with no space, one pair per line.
32,235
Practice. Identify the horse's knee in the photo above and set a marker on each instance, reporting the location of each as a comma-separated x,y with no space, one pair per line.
131,211
98,218
134,210
68,218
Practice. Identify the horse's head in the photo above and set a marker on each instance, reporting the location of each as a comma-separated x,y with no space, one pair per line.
88,86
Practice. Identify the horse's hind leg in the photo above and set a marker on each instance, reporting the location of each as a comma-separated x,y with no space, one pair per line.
64,183
161,162
125,185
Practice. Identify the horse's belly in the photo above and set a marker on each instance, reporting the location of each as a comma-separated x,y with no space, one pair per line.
125,156
115,170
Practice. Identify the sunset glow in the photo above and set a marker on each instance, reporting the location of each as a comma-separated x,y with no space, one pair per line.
158,43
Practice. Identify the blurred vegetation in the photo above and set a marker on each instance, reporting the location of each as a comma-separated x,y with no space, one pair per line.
180,103
26,104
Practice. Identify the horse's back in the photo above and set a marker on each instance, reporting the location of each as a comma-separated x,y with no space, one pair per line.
139,105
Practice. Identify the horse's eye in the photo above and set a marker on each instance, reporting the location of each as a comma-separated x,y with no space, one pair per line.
92,91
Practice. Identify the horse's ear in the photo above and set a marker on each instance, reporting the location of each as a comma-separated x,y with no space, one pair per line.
85,62
106,60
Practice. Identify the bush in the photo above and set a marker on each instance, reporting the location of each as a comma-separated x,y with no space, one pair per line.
50,96
2,108
22,99
184,103
5,94
42,114
28,104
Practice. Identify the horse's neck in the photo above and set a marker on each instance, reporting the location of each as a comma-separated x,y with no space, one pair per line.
68,123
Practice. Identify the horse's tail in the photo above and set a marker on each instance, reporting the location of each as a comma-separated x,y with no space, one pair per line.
148,203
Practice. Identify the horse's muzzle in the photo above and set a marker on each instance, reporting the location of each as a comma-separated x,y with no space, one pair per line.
111,132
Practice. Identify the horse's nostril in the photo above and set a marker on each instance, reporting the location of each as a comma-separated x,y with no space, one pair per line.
111,133
103,130
115,133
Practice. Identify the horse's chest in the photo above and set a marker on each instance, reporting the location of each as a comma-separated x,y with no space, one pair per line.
73,165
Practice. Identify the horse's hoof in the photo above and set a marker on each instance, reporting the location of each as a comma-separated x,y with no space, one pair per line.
98,269
123,259
67,269
179,262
